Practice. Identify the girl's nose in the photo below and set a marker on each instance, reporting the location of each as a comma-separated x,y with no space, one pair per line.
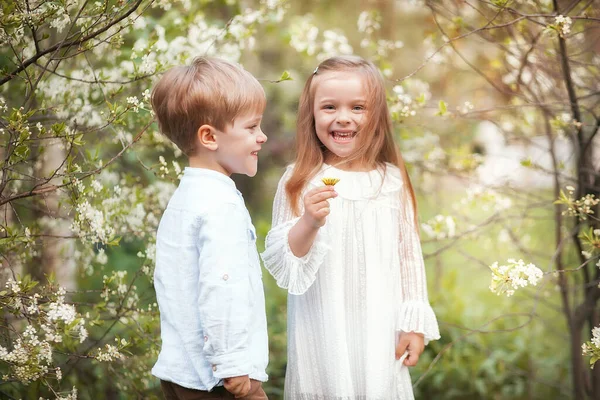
343,118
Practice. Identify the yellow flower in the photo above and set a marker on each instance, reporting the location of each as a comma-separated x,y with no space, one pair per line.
330,181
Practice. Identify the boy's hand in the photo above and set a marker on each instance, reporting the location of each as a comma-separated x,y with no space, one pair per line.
413,343
316,206
239,386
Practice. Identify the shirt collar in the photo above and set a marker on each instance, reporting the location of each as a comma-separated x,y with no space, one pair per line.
208,173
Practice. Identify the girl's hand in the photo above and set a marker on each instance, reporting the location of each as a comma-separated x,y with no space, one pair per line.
316,206
413,343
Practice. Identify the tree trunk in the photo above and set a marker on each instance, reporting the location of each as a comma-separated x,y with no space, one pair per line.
56,252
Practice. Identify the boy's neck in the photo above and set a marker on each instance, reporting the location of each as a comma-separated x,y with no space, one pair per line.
203,162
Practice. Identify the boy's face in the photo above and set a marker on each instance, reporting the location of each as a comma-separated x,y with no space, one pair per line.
239,145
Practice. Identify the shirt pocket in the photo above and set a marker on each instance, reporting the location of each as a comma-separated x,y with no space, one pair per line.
253,252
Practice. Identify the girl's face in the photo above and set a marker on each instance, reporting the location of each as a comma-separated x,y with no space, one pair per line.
339,109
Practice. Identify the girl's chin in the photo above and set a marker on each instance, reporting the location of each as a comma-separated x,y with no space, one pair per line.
337,157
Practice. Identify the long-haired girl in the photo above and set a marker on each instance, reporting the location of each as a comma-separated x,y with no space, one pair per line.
350,257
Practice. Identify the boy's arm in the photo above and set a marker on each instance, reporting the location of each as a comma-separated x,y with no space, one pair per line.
225,294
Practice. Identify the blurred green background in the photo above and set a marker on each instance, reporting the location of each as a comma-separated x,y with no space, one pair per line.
492,347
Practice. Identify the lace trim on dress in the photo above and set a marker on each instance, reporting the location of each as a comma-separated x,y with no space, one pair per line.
296,274
366,185
418,316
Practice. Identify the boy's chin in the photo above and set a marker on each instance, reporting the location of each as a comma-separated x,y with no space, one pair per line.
248,172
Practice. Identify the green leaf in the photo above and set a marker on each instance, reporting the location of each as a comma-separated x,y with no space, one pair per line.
443,108
285,76
526,162
115,241
78,140
58,128
22,151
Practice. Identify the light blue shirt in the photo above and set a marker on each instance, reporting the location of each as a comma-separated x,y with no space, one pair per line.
208,285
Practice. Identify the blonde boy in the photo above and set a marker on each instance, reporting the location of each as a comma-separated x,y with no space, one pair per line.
207,277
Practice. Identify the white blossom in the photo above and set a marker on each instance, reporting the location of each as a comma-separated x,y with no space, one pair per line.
563,24
440,227
13,285
485,198
135,103
101,257
515,274
110,353
60,19
303,34
368,22
334,43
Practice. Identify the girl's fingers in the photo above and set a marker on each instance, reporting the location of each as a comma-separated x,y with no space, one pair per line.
319,190
320,194
320,209
411,360
324,211
319,197
321,204
319,213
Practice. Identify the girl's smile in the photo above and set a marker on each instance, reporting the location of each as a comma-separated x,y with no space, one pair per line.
341,136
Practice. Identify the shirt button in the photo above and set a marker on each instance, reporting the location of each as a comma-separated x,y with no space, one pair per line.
214,367
225,277
206,338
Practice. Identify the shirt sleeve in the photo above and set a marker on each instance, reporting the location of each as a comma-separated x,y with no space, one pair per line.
296,274
414,313
225,291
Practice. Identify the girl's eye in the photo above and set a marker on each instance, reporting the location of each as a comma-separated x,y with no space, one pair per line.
329,107
359,108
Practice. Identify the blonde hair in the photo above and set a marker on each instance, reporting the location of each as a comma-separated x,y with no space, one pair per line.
209,91
376,142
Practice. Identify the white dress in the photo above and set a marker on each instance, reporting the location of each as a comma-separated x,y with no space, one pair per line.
362,280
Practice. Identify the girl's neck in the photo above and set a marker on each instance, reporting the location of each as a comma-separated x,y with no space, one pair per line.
349,165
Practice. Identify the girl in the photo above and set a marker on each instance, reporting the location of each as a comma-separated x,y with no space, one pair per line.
352,265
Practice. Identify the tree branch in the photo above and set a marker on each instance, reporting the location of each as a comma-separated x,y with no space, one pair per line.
58,46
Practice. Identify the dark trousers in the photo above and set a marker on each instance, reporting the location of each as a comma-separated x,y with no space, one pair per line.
173,391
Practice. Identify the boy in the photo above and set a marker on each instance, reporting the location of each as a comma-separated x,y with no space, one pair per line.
207,277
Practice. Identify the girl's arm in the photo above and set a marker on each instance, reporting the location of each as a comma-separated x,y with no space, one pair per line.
414,313
316,209
295,246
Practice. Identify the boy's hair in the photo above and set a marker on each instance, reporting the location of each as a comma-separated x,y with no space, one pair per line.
375,140
209,91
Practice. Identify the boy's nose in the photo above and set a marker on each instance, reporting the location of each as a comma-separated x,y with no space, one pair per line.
261,138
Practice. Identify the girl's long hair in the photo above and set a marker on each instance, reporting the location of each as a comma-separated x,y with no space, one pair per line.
375,139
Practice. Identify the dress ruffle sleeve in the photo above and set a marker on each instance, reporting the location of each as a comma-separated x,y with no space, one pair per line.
414,312
296,274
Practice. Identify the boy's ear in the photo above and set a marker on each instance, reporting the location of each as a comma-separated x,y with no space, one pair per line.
207,138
